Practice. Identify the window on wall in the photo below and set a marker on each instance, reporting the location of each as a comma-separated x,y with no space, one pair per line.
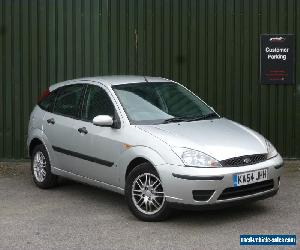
68,100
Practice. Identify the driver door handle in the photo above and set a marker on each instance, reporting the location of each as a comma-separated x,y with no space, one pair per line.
83,130
51,121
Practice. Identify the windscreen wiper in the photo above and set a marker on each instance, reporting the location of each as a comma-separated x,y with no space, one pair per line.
203,117
176,119
190,119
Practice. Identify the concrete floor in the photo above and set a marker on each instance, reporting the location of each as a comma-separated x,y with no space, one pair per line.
77,216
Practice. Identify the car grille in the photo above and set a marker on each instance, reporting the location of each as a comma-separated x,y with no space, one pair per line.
244,160
202,195
234,192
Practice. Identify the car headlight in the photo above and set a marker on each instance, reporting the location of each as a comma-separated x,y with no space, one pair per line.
272,152
194,158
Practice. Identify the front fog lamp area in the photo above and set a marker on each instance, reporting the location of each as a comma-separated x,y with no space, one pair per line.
194,158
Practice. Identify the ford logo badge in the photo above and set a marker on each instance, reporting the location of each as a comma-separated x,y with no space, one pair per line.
247,160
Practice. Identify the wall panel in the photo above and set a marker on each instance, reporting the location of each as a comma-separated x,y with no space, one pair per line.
211,46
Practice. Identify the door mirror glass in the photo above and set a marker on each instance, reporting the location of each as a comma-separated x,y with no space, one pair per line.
103,120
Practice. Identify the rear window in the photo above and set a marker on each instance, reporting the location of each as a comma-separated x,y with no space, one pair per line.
47,103
68,100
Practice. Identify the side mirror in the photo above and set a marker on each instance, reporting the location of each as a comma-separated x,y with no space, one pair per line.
103,120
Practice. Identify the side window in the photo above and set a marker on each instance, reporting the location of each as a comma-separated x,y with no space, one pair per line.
68,100
97,102
47,103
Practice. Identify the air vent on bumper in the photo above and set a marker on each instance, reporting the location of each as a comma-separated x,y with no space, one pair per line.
235,192
202,195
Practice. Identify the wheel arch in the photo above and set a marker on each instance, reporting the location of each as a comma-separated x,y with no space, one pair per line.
33,143
135,156
36,137
134,163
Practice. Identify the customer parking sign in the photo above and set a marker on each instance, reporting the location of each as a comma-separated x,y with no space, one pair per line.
277,59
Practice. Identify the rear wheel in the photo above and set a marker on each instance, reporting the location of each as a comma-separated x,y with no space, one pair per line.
145,195
41,168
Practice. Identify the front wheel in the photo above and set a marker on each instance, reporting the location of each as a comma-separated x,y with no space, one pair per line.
145,195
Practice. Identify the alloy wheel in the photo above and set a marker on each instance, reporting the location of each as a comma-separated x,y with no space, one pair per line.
39,166
147,193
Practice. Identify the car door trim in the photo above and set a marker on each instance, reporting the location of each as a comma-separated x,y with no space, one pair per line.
82,156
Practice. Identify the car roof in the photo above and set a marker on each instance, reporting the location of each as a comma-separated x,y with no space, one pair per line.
112,80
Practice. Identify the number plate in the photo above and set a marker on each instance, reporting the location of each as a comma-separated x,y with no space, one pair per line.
250,177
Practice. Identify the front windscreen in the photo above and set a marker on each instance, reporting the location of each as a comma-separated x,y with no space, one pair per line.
161,102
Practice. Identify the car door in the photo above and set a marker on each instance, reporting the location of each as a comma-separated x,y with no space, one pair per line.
98,147
58,124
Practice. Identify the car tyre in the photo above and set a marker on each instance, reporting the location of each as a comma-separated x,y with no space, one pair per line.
41,168
139,193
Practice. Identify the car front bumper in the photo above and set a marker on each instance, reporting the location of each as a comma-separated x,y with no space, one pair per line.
181,184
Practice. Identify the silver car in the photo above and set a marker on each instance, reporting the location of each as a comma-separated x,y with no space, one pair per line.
150,139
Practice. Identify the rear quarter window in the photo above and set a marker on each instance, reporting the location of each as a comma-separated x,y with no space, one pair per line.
47,103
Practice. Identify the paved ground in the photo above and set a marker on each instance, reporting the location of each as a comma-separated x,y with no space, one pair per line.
76,216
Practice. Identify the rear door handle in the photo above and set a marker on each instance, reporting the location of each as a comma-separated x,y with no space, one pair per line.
51,121
83,130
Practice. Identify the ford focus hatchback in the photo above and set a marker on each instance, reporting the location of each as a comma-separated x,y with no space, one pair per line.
150,139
